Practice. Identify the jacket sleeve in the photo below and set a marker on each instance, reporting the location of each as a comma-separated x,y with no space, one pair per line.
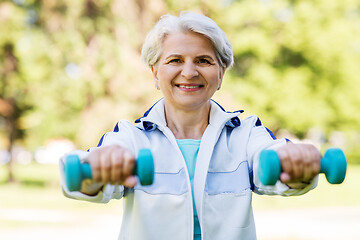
122,137
261,138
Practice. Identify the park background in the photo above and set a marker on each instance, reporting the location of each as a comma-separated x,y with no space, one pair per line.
69,70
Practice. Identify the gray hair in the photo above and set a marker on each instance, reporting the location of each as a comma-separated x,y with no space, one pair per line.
187,21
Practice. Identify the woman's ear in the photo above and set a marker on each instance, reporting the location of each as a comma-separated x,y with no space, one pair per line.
156,80
154,70
221,75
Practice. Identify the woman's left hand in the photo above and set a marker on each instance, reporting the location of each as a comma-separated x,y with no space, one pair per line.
300,163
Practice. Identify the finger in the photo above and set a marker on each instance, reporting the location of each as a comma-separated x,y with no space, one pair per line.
105,165
308,159
116,165
297,162
128,165
311,162
316,162
285,164
93,160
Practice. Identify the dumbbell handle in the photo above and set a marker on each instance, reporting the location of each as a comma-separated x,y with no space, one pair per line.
333,165
76,172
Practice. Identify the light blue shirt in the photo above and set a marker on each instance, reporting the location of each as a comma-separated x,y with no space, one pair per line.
190,149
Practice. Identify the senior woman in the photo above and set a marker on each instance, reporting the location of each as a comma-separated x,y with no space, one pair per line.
205,158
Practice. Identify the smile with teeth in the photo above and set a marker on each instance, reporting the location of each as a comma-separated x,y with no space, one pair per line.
188,86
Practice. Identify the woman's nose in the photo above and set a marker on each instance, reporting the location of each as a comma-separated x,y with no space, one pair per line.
189,70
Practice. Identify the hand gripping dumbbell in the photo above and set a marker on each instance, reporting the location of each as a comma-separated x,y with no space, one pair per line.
333,165
76,172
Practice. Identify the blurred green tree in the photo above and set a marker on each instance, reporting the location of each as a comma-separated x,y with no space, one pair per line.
71,69
296,62
13,85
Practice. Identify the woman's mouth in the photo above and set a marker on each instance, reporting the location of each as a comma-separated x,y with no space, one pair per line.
189,87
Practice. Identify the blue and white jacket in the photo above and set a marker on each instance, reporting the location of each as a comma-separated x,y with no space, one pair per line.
225,177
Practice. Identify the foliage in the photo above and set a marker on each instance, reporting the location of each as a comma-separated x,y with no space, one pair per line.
297,62
72,68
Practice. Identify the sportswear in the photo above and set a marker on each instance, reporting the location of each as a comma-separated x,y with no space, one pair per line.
224,179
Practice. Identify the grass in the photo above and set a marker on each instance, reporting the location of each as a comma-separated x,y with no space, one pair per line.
37,187
36,175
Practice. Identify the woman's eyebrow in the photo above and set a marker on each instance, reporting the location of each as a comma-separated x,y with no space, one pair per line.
205,56
173,56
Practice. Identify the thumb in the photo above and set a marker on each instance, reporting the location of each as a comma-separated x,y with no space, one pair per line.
285,177
130,181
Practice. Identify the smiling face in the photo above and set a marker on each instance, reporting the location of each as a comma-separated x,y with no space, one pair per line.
188,72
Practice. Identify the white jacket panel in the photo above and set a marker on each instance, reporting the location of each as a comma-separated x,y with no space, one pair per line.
151,217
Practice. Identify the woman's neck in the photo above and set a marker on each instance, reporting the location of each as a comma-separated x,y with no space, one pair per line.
187,124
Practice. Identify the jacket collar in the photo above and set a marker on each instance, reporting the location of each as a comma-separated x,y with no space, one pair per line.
155,117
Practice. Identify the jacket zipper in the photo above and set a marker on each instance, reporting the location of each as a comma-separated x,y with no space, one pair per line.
170,136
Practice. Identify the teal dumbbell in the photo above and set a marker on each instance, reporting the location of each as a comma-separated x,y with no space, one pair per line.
333,165
76,172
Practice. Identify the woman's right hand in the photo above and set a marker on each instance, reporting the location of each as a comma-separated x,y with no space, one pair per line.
113,164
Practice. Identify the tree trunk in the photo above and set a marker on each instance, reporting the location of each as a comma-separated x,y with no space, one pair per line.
11,178
11,132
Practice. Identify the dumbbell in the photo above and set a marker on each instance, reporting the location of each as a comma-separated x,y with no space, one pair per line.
333,165
76,172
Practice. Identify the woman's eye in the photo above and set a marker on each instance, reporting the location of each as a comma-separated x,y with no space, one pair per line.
204,61
175,60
